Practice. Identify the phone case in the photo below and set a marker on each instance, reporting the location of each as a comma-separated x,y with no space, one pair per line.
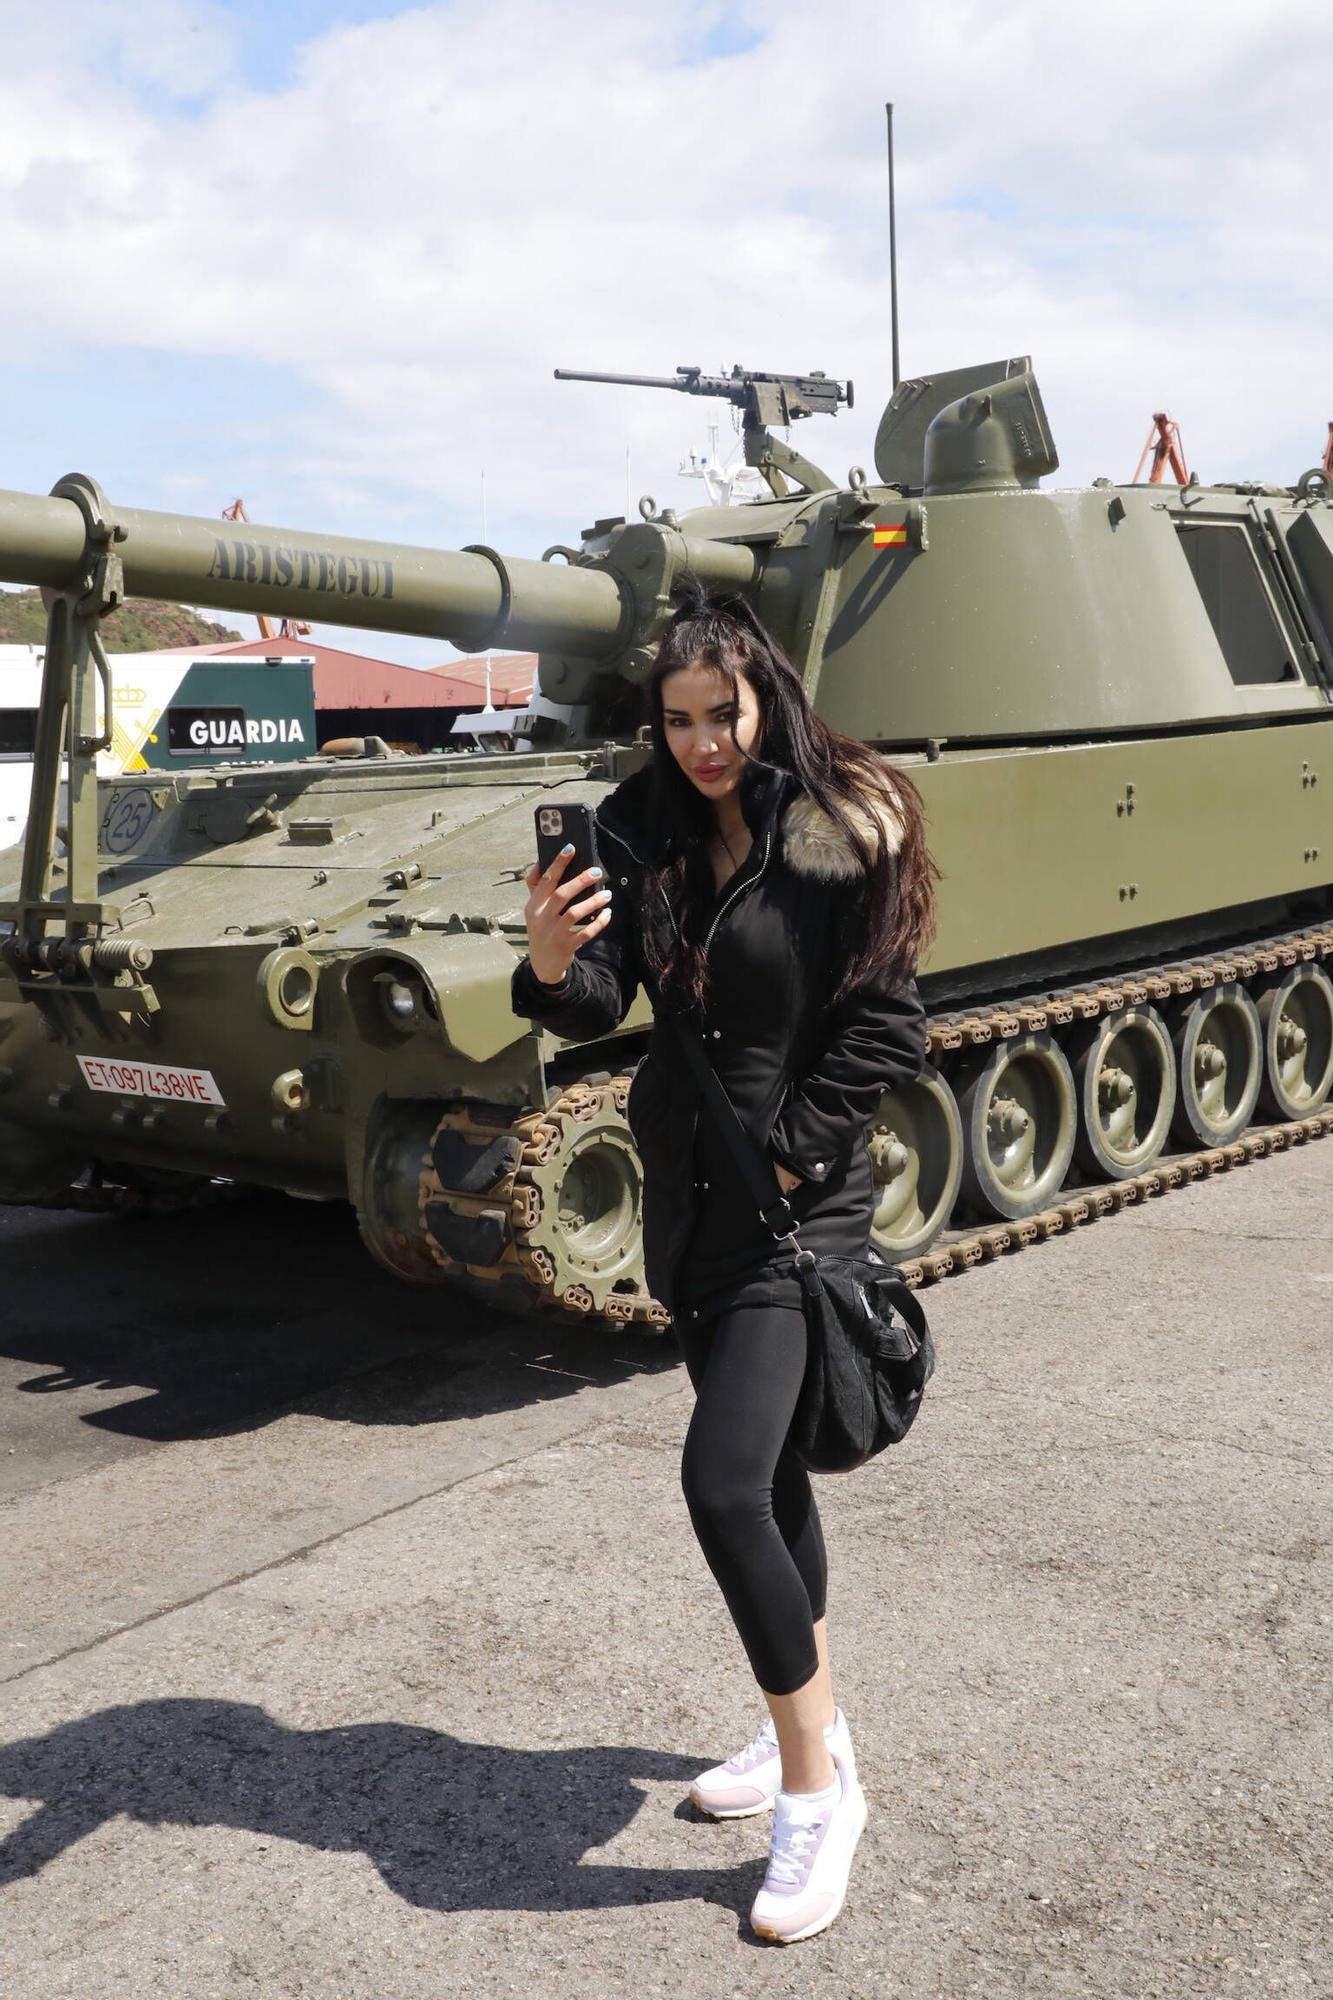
558,824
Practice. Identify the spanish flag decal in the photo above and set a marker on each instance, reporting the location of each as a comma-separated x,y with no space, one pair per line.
890,534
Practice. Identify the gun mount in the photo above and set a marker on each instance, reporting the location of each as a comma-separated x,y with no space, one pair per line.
763,400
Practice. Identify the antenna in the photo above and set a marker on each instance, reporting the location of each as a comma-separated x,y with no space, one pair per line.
893,251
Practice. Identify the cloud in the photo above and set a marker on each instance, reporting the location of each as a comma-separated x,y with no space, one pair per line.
366,269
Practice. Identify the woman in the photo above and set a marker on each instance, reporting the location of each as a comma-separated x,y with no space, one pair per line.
768,878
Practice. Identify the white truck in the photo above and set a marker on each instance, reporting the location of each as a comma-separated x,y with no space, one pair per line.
169,711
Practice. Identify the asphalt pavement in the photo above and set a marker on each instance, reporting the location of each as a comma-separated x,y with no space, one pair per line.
354,1641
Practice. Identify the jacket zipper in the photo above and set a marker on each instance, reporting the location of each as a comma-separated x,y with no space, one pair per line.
734,897
639,862
671,915
736,894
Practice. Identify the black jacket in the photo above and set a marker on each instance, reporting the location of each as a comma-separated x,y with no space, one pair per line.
805,1080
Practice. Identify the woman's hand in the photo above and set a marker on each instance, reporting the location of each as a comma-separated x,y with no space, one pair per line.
787,1180
554,909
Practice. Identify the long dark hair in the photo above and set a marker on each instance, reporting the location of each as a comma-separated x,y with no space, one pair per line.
836,771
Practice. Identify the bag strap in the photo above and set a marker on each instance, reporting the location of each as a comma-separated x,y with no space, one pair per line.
755,1168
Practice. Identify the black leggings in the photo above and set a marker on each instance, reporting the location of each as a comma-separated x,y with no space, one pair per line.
749,1499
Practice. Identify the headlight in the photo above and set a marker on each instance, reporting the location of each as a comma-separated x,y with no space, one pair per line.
400,1000
407,1003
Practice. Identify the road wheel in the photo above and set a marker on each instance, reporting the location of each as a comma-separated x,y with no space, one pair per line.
1125,1071
915,1141
1296,1016
1219,1061
1019,1110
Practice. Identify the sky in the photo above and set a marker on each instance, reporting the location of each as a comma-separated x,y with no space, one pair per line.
327,256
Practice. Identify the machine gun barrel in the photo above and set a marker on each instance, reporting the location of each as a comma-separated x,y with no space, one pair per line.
632,381
473,597
765,398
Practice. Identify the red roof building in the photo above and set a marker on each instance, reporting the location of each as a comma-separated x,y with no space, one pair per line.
359,681
513,677
358,695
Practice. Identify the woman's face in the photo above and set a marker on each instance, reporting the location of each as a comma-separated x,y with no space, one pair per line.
699,713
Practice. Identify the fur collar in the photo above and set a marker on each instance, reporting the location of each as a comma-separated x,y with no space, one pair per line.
814,844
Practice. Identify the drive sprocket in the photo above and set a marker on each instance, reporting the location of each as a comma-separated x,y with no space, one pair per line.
544,1209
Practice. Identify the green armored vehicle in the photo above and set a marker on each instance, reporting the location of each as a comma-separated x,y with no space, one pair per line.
1117,703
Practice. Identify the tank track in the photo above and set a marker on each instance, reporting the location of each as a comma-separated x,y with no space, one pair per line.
960,1250
497,1214
507,1190
1172,979
515,1199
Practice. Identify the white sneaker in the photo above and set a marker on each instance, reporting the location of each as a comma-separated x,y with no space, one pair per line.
750,1781
809,1860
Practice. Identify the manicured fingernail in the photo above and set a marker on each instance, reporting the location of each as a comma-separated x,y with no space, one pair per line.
596,874
568,847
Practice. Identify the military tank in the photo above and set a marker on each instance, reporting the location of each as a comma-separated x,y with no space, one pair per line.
1117,702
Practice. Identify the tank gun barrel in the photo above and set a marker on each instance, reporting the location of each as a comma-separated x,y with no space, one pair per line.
473,597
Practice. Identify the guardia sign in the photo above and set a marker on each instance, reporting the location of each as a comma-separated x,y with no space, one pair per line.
229,711
230,733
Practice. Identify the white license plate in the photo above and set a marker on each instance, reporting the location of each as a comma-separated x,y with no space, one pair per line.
161,1080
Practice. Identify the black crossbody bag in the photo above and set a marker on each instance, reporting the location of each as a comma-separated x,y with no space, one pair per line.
870,1352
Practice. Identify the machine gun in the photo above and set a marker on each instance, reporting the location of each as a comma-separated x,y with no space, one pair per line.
763,400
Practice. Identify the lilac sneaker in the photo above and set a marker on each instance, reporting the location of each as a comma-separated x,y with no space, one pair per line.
750,1781
809,1861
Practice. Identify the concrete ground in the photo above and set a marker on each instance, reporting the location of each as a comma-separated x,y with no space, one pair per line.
356,1643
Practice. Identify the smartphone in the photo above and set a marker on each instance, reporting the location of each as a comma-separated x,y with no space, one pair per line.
558,824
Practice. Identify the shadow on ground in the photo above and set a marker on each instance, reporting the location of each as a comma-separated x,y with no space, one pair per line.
450,1825
215,1320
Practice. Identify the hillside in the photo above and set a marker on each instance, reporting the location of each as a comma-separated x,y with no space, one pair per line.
140,626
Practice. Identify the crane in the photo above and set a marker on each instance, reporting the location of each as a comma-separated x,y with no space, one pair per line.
286,628
1164,447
